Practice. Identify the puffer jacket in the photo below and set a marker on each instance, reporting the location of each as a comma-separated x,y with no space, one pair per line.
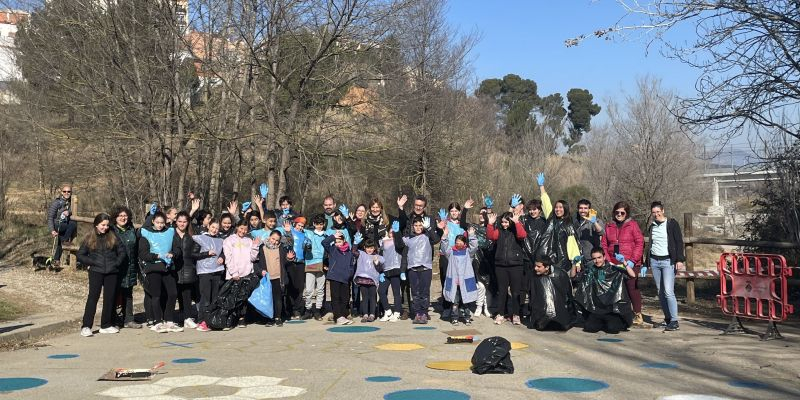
128,268
629,238
185,265
508,252
102,259
57,207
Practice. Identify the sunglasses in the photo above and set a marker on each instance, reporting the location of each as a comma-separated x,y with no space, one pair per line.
66,191
620,213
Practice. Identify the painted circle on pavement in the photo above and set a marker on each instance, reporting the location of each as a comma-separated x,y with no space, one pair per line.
609,340
62,356
188,360
427,394
566,385
748,384
13,384
425,328
382,378
659,365
353,329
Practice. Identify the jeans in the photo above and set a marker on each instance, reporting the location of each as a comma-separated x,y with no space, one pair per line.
420,281
664,275
368,299
383,292
66,232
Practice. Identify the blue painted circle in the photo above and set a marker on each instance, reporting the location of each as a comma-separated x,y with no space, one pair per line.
353,329
382,378
748,384
566,385
609,340
188,360
425,328
427,394
659,365
62,356
12,384
296,321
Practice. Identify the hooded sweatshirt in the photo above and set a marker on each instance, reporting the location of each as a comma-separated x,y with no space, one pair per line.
240,252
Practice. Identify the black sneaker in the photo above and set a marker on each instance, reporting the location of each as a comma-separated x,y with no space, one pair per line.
278,322
296,315
270,323
662,324
242,324
307,315
317,315
672,326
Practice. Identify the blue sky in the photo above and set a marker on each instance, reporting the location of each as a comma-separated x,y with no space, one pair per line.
527,38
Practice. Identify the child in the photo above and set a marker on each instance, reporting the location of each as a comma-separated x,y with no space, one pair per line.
602,295
297,269
460,284
339,271
273,262
206,252
315,277
550,297
419,243
240,252
368,269
393,273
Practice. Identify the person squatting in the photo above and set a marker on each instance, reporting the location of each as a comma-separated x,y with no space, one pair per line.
535,264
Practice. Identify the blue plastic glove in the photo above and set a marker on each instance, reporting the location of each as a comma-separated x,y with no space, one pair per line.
426,222
402,276
395,226
643,272
343,209
619,257
577,259
245,206
442,214
540,178
153,208
488,202
515,200
264,190
629,263
358,238
285,211
593,219
381,278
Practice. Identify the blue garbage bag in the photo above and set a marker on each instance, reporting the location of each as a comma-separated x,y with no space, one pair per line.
261,298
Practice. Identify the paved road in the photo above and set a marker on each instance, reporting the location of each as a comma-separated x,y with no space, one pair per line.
307,361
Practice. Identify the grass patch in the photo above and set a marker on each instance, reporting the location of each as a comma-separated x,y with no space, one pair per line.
9,311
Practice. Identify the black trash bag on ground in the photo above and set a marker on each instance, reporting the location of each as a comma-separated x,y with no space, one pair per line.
551,303
226,310
493,356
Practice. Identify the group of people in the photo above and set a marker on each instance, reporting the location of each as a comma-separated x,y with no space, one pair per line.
535,263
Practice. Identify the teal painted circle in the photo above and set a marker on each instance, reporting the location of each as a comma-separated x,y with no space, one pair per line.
566,385
659,365
62,356
382,378
188,360
427,394
425,328
296,321
353,329
609,340
13,384
748,384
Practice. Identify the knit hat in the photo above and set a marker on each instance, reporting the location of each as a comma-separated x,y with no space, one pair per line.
300,219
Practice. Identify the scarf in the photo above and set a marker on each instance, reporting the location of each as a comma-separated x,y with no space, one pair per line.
344,247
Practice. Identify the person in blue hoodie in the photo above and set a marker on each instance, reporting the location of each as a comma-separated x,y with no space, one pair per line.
296,270
314,292
339,272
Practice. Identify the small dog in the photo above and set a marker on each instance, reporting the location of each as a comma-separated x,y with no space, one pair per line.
39,262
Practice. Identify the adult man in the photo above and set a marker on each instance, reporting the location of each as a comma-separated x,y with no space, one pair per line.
588,229
418,211
329,206
62,228
665,256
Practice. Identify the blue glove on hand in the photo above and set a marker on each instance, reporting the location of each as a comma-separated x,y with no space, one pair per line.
402,276
153,208
540,178
442,214
593,219
629,263
488,202
577,259
619,257
285,211
515,200
358,238
395,226
264,190
245,206
343,209
643,272
381,278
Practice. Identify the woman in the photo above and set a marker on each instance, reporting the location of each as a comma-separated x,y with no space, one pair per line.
102,253
560,242
128,269
375,222
508,260
158,248
357,220
623,244
186,269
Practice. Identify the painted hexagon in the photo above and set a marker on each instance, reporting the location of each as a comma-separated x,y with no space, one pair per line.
127,391
270,392
189,380
250,381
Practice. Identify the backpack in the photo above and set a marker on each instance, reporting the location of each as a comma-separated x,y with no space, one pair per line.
493,356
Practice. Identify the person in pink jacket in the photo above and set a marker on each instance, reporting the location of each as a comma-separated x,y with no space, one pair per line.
623,244
239,252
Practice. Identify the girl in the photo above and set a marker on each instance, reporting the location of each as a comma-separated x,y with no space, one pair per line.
623,244
369,266
419,244
157,250
509,259
339,271
202,219
273,262
128,269
206,252
240,253
186,269
456,225
460,287
103,253
226,222
393,273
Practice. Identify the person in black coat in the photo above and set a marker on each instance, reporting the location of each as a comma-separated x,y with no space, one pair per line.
158,271
102,253
185,269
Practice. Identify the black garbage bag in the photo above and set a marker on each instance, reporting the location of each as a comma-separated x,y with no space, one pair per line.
228,307
601,290
551,303
493,356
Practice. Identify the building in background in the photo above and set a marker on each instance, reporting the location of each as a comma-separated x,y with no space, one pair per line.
9,22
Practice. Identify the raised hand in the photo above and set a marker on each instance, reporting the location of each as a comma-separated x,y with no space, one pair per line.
232,207
441,224
471,231
540,178
264,190
395,226
442,214
469,203
357,238
245,206
256,201
401,201
426,222
195,204
492,218
343,209
290,255
153,208
287,225
488,202
516,199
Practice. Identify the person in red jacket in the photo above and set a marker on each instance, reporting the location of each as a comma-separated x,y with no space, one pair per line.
623,244
508,260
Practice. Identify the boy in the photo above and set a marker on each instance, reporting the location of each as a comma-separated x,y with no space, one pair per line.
602,294
315,277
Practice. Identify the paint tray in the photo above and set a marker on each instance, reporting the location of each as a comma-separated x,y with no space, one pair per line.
131,374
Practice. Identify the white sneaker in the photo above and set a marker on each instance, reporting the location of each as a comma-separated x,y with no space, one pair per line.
395,317
173,327
160,328
342,321
189,323
110,329
478,312
486,311
386,316
86,332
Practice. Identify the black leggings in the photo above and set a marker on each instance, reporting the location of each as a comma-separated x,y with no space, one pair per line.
340,295
209,288
155,281
185,300
383,292
277,298
108,284
296,285
369,301
508,276
610,323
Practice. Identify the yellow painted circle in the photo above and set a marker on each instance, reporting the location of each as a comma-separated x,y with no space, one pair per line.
399,346
455,365
519,345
